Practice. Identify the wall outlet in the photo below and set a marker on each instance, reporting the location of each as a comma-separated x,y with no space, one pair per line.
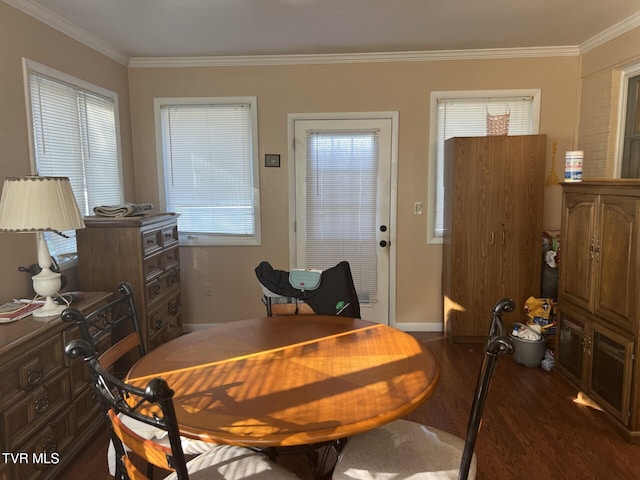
208,289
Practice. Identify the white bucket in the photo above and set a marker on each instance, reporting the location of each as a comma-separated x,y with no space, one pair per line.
573,166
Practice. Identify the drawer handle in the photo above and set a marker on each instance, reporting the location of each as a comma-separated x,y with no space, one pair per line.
158,323
174,309
35,375
42,403
156,289
49,446
174,276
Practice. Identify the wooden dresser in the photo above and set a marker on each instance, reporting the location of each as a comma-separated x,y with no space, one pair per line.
144,252
599,296
47,411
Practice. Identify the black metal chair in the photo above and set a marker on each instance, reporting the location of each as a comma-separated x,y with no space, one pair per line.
153,405
404,449
117,320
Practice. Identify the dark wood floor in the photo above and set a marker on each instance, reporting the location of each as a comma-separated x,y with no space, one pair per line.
532,427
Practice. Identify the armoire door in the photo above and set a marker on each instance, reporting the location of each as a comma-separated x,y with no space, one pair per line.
520,203
577,252
617,264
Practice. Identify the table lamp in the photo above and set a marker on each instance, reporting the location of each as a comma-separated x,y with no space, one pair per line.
34,204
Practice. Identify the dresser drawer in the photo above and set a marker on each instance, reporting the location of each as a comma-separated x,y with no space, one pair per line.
171,258
153,266
30,412
161,317
46,449
160,287
170,235
30,370
87,410
171,331
151,242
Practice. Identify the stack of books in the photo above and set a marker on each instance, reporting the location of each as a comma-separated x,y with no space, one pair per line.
12,311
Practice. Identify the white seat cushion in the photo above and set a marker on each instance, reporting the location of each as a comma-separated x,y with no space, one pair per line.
189,445
402,450
226,462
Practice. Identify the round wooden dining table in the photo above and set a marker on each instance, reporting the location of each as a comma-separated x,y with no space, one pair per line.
290,380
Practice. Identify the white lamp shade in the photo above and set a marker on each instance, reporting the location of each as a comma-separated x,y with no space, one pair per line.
36,204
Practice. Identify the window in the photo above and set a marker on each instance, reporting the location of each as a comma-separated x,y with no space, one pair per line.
74,134
209,163
342,183
464,113
631,142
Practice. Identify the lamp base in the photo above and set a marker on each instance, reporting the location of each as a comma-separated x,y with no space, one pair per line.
49,309
46,284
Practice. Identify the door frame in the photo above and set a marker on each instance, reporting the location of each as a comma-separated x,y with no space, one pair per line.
393,187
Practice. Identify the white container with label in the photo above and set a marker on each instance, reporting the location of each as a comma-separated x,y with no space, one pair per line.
573,166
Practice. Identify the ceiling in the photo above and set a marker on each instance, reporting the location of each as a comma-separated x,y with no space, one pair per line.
195,28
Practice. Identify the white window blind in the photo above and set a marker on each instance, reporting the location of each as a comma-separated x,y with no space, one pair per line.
210,169
467,117
74,135
342,172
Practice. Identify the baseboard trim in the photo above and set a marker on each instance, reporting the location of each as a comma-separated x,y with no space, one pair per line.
419,327
405,327
194,327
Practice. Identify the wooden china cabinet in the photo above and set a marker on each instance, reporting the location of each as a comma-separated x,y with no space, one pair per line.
598,296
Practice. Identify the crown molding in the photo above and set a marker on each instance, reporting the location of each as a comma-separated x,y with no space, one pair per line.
316,59
55,21
610,33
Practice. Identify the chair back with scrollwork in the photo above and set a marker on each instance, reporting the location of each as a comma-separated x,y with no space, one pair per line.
114,324
152,405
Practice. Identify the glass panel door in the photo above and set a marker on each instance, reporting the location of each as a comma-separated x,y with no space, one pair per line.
571,342
610,379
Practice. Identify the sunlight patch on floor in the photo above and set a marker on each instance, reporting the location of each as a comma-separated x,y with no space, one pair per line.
582,399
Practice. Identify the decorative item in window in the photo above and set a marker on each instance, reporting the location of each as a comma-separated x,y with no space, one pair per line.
498,124
271,160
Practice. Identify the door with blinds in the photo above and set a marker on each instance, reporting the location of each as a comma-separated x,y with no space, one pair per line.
343,203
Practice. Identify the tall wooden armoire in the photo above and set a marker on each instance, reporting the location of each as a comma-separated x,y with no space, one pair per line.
493,206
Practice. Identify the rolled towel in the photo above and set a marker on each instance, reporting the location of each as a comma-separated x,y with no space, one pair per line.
123,210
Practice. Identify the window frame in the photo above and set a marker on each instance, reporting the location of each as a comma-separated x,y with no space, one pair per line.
68,260
627,74
209,239
436,96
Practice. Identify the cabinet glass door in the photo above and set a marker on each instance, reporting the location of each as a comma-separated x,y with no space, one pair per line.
571,346
610,379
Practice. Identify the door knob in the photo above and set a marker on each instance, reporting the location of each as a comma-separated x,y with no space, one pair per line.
384,243
383,228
